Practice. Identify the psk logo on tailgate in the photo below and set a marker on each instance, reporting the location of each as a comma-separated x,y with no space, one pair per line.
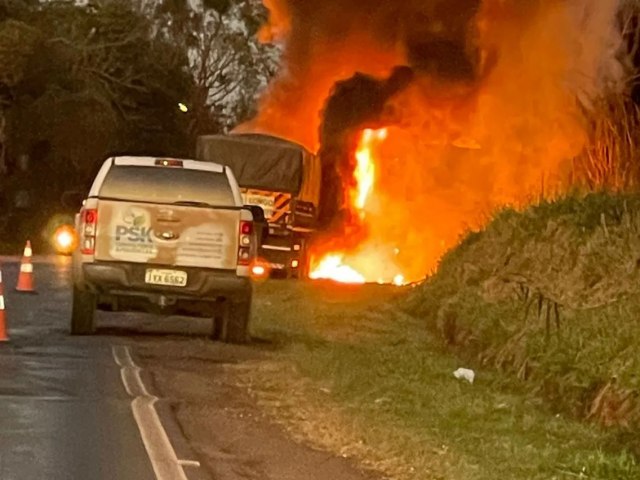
133,228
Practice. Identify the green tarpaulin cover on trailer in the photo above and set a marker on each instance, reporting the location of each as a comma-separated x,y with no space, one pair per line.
265,162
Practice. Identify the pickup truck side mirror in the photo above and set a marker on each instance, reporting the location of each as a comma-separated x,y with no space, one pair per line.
257,212
259,221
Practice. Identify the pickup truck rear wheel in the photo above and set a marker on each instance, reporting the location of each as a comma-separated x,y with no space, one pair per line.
82,312
231,325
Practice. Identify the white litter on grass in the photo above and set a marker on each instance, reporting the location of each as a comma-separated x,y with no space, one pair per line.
465,373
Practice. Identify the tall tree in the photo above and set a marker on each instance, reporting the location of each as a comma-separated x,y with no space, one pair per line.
17,44
104,58
80,82
228,63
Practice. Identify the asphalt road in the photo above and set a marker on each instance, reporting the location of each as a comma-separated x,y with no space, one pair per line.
64,411
147,398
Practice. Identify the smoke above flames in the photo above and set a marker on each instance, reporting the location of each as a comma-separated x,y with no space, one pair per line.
485,104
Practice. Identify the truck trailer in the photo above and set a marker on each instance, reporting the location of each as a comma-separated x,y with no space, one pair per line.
282,177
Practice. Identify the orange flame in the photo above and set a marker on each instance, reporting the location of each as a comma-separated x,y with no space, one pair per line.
454,151
348,266
332,268
365,173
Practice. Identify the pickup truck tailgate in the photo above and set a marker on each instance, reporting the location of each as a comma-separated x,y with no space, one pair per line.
169,235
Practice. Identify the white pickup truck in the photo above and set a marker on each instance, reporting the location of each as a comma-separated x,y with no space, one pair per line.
165,236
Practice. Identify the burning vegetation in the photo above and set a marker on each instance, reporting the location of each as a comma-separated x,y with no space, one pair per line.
431,114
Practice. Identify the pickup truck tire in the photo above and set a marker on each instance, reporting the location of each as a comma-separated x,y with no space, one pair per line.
231,325
82,312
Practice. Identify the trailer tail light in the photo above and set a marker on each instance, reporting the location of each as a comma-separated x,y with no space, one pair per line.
258,270
88,229
244,248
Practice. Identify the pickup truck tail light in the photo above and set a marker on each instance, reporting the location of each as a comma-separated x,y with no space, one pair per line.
88,229
244,244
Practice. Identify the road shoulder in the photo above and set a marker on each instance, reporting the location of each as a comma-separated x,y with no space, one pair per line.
230,434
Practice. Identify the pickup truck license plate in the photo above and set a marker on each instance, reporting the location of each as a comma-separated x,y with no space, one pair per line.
172,278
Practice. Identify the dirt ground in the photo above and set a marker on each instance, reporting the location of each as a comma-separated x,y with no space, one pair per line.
232,438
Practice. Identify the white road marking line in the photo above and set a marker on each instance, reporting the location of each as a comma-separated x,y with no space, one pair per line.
132,382
122,356
129,372
164,460
163,457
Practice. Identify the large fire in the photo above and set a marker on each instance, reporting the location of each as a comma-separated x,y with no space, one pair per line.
365,173
331,267
341,263
494,114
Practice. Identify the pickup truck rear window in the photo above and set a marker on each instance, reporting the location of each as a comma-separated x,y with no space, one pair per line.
167,185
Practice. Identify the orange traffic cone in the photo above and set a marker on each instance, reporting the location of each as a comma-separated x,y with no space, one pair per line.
25,279
4,337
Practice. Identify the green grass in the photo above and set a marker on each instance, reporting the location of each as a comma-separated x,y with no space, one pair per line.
399,407
579,255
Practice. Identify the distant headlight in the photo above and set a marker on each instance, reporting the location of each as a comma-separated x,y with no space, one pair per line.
65,240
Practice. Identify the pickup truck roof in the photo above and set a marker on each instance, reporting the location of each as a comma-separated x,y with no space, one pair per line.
151,162
168,163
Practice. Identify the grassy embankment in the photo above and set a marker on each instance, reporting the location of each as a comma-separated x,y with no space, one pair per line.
543,305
